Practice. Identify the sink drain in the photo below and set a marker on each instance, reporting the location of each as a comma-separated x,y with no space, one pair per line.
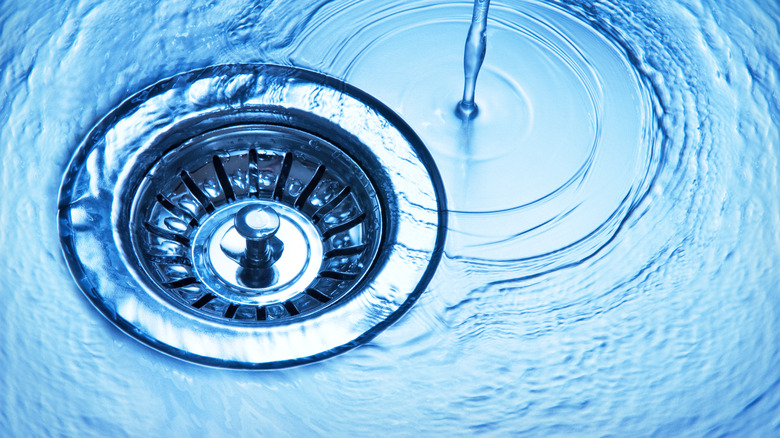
256,223
251,216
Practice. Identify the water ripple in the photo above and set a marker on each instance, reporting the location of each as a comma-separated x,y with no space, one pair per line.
612,263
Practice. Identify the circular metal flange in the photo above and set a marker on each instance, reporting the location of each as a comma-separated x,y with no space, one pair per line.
252,216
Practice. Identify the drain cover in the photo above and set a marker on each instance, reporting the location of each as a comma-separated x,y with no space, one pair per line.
252,216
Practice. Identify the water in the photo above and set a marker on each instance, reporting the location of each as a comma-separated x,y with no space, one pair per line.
611,267
473,56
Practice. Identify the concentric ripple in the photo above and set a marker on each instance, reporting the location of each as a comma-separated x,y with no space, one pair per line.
612,267
565,145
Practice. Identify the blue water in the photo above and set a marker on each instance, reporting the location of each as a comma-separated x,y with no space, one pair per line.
611,267
473,57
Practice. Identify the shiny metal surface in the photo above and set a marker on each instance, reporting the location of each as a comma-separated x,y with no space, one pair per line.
218,248
357,200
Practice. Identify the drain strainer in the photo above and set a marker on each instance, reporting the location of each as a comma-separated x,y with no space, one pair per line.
252,216
256,223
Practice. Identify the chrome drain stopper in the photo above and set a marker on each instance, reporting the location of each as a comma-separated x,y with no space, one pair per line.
252,216
257,225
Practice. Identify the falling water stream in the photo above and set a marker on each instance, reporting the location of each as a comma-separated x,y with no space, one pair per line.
473,56
611,260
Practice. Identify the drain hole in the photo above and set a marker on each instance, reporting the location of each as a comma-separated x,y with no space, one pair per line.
317,295
330,232
167,235
325,209
181,283
231,311
176,211
341,252
304,196
205,299
224,182
283,174
336,275
196,192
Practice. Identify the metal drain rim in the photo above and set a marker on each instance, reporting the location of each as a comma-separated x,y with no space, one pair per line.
219,96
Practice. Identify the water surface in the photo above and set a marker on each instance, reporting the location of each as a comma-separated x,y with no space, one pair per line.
611,267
